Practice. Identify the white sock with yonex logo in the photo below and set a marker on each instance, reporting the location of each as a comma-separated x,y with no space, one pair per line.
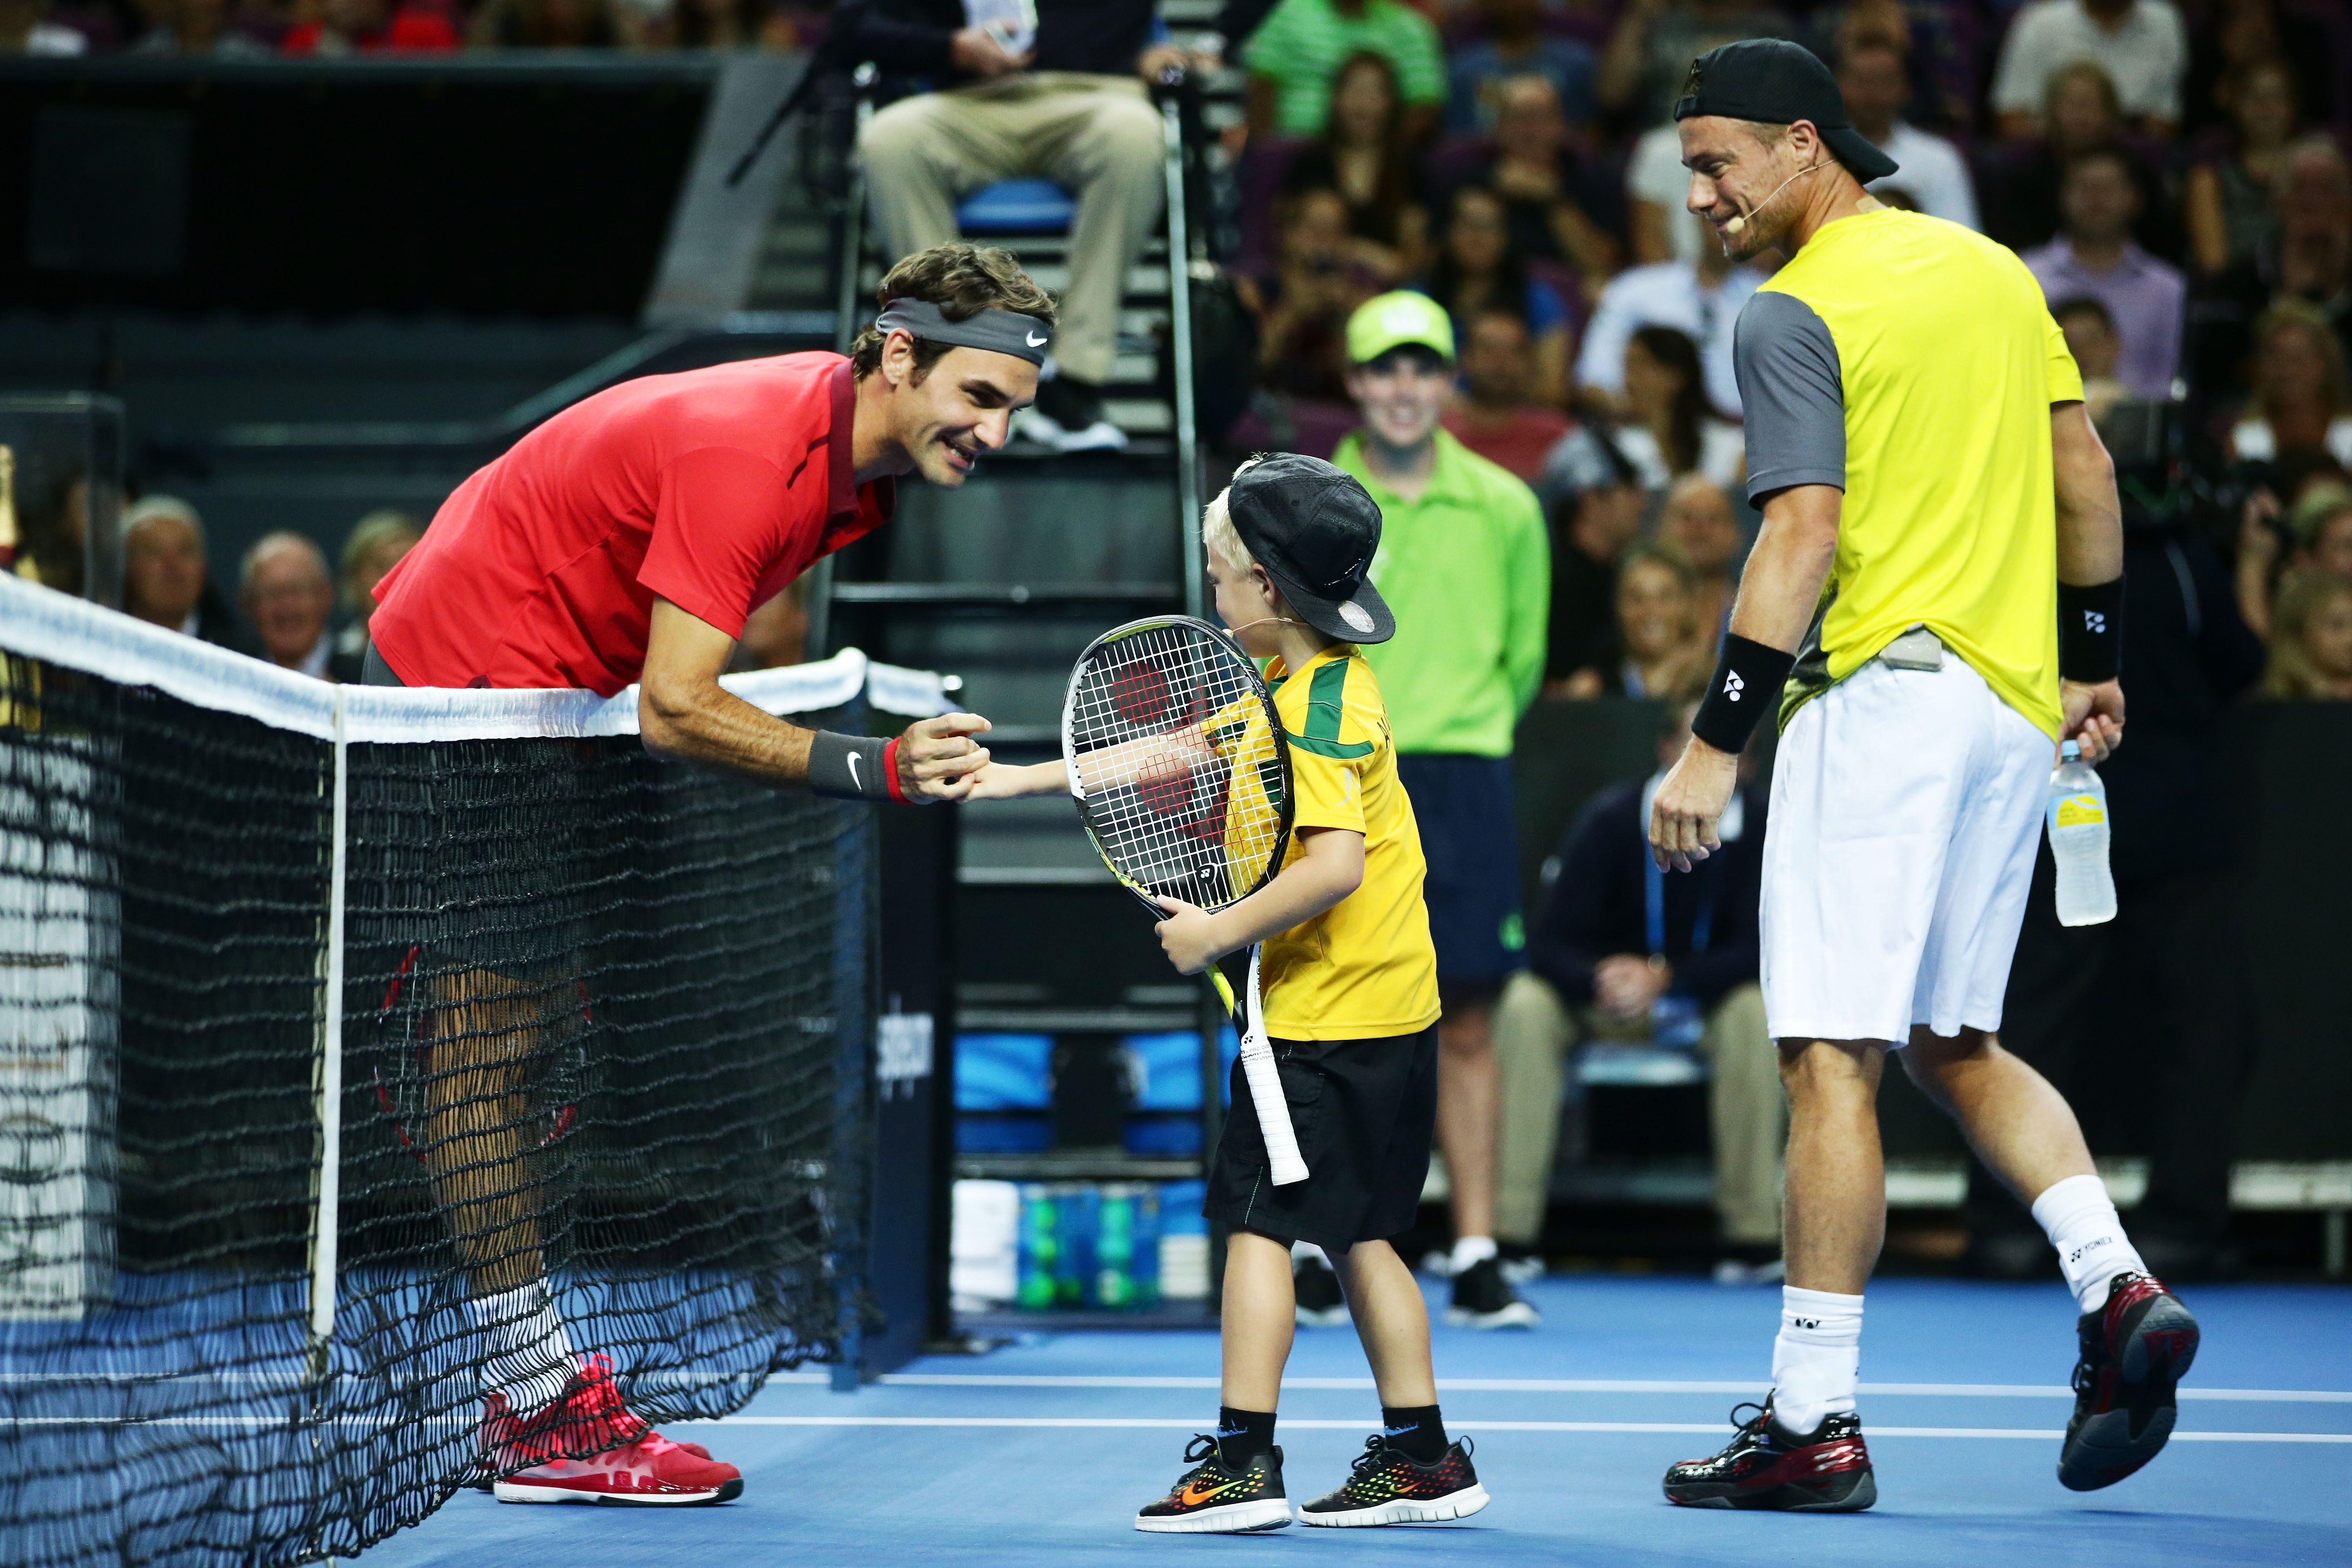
1817,1360
530,1356
2080,1220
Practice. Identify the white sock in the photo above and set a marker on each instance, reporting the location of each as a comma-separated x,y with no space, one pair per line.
2080,1220
1817,1360
1469,1251
530,1357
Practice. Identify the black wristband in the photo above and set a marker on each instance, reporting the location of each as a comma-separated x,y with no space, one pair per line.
848,767
1747,685
2090,631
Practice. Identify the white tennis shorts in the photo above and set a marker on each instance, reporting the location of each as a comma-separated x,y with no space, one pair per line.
1905,806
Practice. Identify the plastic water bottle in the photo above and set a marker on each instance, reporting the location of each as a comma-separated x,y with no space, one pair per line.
1040,1248
1115,1239
2078,841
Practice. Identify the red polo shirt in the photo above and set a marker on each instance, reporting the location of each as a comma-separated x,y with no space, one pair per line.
712,488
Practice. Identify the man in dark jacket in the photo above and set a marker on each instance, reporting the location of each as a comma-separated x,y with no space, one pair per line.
1625,953
1067,103
2167,974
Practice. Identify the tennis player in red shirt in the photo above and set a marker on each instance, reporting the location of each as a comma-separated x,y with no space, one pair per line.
626,540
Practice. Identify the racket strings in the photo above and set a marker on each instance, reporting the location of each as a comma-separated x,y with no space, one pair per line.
1175,745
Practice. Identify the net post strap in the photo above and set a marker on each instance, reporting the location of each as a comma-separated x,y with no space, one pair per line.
324,1227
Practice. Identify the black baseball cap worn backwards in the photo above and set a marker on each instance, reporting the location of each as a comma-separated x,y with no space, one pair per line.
1315,529
1779,83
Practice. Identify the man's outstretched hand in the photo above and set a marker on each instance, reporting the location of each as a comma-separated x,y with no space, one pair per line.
936,757
1690,801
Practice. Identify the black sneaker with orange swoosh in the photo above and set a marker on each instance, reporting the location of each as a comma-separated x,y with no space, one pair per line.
1826,1470
1220,1496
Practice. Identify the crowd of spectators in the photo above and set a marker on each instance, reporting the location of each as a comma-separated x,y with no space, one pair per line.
258,29
2173,171
290,608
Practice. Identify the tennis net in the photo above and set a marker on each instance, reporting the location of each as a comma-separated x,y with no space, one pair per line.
337,1028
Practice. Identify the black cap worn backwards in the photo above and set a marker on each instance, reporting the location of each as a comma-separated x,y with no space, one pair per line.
1314,529
1779,83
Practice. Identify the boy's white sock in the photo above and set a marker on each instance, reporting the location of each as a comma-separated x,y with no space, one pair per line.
2080,1220
1818,1357
1470,1251
530,1357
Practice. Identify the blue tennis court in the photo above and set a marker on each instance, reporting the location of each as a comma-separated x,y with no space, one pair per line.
1042,1451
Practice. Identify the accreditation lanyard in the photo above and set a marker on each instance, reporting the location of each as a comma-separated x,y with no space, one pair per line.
1654,881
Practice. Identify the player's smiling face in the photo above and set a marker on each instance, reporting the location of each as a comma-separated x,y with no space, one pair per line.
1734,175
961,408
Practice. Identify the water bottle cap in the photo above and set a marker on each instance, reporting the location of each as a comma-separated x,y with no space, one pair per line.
2070,750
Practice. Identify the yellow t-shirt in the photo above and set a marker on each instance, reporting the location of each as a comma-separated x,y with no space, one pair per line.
1913,364
1364,968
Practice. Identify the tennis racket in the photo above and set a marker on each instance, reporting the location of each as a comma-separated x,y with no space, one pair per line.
1183,777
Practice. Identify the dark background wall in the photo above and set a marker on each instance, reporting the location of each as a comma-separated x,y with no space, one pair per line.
419,243
538,187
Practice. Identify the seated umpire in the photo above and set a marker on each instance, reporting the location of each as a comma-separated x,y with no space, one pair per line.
1069,107
1621,951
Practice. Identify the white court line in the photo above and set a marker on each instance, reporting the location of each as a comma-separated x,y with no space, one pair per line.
1450,1384
1582,1385
1105,1423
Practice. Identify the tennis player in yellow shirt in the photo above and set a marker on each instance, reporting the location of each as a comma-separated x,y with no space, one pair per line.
1935,600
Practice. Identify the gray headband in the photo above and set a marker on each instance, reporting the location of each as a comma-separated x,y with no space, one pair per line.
998,331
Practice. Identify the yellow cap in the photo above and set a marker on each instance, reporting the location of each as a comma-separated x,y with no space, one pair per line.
1393,319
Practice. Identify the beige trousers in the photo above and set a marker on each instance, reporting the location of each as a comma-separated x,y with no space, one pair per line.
1535,1033
1095,136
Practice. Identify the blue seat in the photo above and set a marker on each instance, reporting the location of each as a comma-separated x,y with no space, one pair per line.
1016,206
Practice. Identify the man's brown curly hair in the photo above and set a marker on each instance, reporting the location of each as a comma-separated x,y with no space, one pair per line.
962,280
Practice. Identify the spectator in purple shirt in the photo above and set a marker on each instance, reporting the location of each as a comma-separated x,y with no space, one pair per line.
2093,257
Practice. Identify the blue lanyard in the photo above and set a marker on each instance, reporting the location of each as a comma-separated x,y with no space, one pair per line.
1654,891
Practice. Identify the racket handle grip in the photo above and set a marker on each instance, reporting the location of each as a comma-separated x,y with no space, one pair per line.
1282,1156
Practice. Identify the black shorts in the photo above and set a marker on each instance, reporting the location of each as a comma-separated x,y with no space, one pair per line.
1365,1111
1463,807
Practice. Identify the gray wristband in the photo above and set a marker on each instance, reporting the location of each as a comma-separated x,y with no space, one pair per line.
849,767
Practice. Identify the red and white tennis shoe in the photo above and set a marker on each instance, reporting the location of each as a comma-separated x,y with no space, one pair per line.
630,1462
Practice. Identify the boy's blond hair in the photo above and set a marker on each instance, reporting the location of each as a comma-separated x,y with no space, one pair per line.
1221,538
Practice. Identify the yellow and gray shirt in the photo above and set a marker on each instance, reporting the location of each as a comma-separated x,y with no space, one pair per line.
1364,969
1912,363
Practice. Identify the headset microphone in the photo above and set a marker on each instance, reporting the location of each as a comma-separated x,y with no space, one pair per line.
1739,223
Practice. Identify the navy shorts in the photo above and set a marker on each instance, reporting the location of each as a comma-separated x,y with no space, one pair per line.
1463,805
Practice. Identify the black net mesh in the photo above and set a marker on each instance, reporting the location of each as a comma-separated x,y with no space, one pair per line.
601,1034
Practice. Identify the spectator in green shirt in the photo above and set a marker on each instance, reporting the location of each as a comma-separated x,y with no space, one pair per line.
1295,55
1465,563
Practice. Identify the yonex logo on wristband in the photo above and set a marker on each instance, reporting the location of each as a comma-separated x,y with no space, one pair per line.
1732,685
2093,621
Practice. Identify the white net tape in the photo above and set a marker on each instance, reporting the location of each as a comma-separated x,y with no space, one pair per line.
38,623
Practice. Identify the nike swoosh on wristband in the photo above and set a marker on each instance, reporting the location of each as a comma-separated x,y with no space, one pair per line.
853,771
1034,341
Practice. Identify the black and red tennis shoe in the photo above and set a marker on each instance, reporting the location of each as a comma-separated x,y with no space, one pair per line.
1767,1466
2134,1352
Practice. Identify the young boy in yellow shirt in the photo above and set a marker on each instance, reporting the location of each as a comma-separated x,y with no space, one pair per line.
1349,982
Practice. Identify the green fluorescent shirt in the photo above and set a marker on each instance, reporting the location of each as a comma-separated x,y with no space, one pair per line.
1300,46
1467,570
